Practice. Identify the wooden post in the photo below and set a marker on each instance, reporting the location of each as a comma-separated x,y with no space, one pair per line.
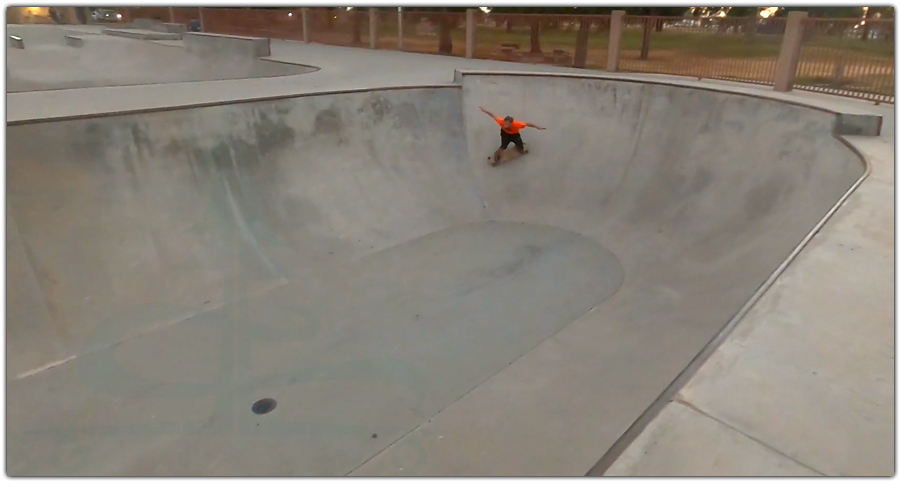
373,28
304,21
171,14
400,28
786,68
470,33
616,25
202,21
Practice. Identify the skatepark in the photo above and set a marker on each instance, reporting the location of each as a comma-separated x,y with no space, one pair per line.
674,263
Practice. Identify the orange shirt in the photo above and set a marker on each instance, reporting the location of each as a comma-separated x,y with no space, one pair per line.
516,126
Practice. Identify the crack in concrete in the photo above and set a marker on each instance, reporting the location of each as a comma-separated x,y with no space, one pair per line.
680,400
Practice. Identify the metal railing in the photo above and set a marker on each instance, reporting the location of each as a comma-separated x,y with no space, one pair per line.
183,15
848,57
738,49
837,56
273,23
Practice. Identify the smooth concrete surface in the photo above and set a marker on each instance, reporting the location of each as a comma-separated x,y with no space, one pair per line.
682,265
231,226
233,45
809,374
300,223
44,35
103,61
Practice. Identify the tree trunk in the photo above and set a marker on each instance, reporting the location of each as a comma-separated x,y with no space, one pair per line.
445,46
658,22
357,26
865,31
751,27
536,36
14,15
645,40
581,44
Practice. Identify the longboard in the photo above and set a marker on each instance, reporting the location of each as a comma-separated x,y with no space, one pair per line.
508,155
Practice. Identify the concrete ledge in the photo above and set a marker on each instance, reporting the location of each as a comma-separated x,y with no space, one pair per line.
173,28
15,42
143,24
849,120
158,26
233,45
858,124
74,41
140,34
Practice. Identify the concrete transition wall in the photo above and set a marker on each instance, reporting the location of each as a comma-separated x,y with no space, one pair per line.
363,238
213,44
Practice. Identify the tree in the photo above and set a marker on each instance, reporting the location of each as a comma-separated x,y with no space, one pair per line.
535,22
657,11
446,23
536,36
866,16
356,16
823,12
581,43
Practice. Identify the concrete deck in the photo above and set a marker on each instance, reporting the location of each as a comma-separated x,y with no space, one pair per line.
49,62
513,391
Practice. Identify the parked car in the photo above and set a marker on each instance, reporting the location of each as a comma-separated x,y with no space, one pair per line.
106,15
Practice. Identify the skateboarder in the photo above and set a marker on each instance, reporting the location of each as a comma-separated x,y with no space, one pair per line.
509,133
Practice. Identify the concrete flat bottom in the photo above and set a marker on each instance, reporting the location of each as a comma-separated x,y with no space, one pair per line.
410,309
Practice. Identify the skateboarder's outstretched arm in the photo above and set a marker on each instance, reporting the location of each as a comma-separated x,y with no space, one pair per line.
486,111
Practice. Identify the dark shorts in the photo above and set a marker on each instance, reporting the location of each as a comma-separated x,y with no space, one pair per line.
506,139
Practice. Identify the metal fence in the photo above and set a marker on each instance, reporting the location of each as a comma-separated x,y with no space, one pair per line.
839,56
273,23
738,49
848,57
338,27
183,15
